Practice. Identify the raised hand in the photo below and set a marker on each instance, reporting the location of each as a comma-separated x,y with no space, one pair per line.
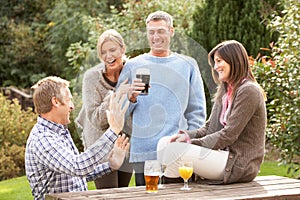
116,113
118,153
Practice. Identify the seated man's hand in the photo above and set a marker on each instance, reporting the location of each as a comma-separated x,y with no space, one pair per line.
116,113
118,153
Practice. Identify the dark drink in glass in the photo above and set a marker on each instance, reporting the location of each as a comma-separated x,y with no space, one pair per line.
144,74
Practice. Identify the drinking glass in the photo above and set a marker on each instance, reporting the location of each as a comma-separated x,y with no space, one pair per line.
144,74
152,171
185,171
162,172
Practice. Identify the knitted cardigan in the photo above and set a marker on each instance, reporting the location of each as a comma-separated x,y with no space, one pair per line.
95,96
243,135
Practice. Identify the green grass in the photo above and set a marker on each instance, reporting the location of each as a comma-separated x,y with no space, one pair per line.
272,168
15,189
19,189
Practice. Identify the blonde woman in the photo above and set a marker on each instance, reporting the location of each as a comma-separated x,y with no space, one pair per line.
98,84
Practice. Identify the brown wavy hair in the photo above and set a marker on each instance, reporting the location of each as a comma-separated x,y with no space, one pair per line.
235,54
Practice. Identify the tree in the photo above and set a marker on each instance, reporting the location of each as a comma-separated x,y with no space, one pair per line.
23,57
35,36
217,21
279,75
66,18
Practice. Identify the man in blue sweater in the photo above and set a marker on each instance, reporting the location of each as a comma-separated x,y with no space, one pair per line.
176,99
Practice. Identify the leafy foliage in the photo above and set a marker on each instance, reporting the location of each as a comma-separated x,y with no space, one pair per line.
217,21
15,126
20,65
279,75
23,57
12,161
67,27
35,36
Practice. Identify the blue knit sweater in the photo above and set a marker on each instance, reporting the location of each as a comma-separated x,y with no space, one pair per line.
176,101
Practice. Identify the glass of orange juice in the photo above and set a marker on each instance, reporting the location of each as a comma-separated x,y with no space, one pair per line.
185,172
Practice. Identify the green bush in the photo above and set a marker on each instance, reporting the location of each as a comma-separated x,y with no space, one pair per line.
36,34
217,21
67,27
15,126
12,161
279,75
23,56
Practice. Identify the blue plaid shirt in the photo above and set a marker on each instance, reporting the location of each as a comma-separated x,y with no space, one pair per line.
53,163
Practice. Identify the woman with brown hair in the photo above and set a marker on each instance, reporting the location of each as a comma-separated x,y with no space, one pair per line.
230,146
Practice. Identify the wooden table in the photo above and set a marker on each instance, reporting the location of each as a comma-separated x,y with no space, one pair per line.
263,187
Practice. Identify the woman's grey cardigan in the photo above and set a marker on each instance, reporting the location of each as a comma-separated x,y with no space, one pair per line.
243,135
95,96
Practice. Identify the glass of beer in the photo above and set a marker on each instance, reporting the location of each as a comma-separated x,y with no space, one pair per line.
185,172
152,171
144,74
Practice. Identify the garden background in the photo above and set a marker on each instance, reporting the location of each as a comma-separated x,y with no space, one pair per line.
45,37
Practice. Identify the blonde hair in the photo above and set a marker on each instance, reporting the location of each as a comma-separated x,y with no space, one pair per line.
45,89
109,35
160,15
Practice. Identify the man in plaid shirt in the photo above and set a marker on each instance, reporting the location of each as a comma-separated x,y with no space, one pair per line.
52,161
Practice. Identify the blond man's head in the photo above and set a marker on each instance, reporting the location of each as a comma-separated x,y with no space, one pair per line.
45,89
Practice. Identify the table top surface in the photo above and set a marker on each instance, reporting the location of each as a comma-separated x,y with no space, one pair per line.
263,187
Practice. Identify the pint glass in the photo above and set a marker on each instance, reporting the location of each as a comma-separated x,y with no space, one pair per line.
144,74
152,171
